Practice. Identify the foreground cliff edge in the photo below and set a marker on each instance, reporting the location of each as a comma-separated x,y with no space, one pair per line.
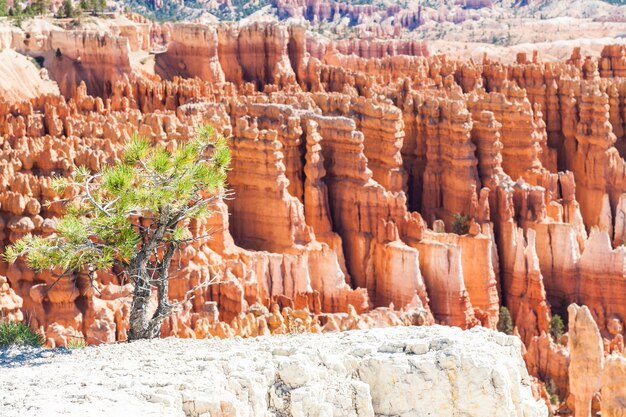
402,371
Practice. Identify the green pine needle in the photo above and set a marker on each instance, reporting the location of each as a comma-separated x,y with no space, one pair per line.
100,228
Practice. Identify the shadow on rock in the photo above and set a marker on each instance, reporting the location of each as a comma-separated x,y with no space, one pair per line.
27,356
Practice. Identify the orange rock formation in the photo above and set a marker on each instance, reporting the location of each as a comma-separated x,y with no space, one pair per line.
586,358
351,174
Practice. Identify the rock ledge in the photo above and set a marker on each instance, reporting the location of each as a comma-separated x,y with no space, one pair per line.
403,371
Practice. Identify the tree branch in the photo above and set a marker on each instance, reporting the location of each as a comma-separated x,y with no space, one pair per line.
90,197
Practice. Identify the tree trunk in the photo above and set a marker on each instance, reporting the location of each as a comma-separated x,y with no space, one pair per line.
138,323
142,326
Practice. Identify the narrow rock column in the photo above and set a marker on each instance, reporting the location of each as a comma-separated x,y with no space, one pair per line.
614,386
586,358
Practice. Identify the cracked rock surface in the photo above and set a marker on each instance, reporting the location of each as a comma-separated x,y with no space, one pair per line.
398,371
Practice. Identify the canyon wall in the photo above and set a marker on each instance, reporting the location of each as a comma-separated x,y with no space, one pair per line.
370,188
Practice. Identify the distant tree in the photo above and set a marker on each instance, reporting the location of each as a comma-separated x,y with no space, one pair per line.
94,7
552,391
556,327
67,10
460,226
18,12
505,323
40,7
16,8
4,9
134,215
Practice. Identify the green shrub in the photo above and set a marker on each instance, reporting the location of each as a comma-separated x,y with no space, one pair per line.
76,343
460,226
552,392
556,327
505,323
12,333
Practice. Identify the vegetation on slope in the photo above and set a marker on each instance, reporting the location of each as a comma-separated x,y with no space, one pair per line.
20,334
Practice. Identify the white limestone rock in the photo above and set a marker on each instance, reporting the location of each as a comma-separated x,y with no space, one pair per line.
401,371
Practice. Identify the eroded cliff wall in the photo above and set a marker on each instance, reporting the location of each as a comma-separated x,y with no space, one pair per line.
369,189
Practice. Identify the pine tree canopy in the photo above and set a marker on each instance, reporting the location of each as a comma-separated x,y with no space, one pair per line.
144,199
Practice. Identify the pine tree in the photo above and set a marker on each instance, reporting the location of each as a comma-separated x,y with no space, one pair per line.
101,5
88,6
93,6
3,7
84,5
505,323
40,7
556,327
16,9
134,215
460,226
67,10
